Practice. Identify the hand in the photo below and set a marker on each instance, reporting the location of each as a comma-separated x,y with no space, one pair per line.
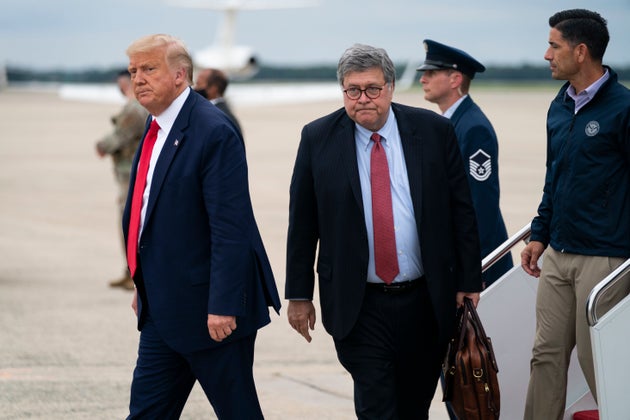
221,326
530,256
472,296
100,152
301,314
134,302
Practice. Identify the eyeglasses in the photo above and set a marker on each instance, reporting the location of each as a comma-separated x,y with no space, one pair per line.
371,92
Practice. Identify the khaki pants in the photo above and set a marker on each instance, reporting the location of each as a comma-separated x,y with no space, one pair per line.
565,283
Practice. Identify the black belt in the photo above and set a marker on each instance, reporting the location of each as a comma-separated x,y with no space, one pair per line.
398,287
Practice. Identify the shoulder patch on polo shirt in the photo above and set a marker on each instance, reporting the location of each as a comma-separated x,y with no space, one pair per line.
480,165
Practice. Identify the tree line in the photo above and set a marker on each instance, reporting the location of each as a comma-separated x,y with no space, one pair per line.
266,73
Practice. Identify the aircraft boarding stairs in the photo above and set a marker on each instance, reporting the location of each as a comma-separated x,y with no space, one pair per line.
507,309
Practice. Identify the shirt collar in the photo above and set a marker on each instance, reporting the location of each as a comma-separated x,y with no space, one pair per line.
590,91
167,118
363,134
451,110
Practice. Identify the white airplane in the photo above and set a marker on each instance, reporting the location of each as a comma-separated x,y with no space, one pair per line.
237,61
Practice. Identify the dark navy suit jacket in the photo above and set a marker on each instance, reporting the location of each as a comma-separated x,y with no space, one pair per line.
480,151
200,251
326,209
222,104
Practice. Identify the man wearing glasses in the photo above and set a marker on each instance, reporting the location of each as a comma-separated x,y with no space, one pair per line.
380,194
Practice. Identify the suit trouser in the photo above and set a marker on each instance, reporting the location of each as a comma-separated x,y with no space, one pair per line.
565,283
163,378
393,355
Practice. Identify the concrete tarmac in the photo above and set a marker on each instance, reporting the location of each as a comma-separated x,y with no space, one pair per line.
68,342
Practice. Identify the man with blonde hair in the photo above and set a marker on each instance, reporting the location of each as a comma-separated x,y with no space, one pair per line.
194,251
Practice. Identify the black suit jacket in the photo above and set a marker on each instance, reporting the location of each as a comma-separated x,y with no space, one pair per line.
326,208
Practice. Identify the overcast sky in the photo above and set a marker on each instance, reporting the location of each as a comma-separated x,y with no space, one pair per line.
77,34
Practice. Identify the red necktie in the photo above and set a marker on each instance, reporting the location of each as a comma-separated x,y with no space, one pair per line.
385,256
136,200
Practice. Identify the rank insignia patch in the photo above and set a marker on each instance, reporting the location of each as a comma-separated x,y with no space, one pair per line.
480,165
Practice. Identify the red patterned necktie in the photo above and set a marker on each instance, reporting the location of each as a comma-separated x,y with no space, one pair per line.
138,192
385,256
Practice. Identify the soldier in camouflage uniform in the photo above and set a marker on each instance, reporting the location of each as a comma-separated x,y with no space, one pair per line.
121,144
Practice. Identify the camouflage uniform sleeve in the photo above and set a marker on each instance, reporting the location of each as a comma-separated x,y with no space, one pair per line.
128,128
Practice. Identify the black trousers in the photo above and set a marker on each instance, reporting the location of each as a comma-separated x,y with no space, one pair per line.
393,355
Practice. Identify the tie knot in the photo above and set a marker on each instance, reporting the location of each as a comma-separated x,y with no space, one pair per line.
151,135
154,126
376,138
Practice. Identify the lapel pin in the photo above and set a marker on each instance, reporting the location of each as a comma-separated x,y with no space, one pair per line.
176,143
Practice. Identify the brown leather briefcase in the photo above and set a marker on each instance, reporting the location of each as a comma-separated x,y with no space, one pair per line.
470,370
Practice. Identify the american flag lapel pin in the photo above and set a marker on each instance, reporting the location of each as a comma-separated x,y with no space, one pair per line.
176,143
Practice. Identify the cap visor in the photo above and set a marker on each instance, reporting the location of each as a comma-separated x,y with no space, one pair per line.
428,67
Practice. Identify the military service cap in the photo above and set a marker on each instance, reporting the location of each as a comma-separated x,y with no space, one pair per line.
442,57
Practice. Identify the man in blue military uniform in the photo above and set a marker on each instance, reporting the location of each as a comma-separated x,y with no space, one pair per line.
446,78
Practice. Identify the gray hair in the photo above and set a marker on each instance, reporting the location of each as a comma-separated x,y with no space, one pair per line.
361,57
177,55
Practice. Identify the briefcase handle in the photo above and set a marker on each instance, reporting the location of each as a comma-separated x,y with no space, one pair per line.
475,321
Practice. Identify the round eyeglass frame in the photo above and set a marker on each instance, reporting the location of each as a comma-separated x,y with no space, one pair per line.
372,92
